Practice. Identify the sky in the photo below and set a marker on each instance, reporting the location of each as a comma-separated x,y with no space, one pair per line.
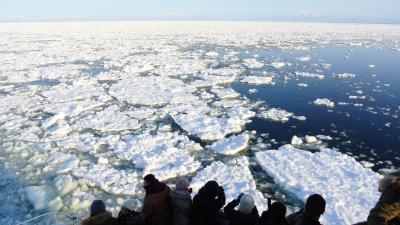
355,11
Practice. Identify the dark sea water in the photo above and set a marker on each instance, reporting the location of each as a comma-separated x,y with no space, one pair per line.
370,132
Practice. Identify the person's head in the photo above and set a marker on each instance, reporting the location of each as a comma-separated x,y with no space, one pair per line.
389,180
246,204
149,180
277,212
315,206
211,188
129,206
97,207
182,184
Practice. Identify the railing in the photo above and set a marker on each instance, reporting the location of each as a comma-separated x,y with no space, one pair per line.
52,218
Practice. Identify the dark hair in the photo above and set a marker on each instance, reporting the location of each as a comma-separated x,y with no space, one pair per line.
150,178
211,188
278,212
275,214
97,207
315,205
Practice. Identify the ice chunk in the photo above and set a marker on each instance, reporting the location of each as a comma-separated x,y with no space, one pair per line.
349,189
310,75
278,65
304,58
345,75
212,54
109,119
61,162
234,179
253,63
109,179
43,198
65,184
311,139
275,114
80,90
324,102
225,93
207,127
258,80
241,112
231,145
296,140
165,155
371,66
159,90
302,85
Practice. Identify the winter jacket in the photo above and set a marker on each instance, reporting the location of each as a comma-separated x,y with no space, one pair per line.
133,218
387,210
205,208
293,218
307,220
104,218
236,217
181,203
156,205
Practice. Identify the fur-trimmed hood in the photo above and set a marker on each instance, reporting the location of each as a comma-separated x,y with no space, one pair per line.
104,218
391,180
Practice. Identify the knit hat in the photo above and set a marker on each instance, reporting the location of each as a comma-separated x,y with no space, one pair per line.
132,205
97,207
246,203
182,183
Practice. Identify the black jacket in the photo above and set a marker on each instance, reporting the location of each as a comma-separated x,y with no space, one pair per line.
236,217
205,209
307,220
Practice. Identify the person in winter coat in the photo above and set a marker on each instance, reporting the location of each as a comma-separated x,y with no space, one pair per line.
207,203
156,205
181,202
387,210
275,215
98,215
313,210
247,214
128,214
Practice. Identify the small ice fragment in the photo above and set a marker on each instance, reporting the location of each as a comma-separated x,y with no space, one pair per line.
296,140
311,139
65,184
324,102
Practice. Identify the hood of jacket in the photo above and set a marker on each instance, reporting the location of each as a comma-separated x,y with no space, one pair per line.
390,181
103,218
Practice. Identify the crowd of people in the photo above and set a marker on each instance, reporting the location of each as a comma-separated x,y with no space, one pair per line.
163,206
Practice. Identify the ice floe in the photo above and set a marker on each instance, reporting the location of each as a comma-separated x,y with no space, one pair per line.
235,179
278,115
109,179
349,189
207,127
165,155
43,198
324,102
231,145
258,80
158,90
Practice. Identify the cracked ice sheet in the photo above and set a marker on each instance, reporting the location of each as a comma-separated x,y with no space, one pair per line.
159,91
225,93
81,89
350,189
61,162
235,179
166,155
109,179
231,145
109,119
208,128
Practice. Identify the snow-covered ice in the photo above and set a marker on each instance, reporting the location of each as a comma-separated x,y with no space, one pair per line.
231,145
349,188
324,102
235,179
